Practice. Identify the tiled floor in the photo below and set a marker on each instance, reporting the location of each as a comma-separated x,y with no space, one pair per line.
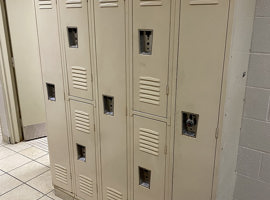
25,171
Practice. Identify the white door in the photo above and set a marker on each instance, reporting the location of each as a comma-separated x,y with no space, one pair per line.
25,47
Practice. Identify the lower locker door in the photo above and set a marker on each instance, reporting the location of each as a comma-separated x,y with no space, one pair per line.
149,159
84,149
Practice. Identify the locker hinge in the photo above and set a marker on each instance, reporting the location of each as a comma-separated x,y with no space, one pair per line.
165,150
94,128
216,134
167,90
91,77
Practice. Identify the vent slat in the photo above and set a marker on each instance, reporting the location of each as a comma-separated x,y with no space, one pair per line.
73,3
79,77
82,121
45,4
86,185
60,173
150,3
149,141
108,3
149,90
113,194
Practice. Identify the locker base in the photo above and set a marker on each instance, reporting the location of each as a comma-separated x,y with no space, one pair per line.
62,194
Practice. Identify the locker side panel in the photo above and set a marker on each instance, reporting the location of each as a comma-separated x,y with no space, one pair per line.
149,159
55,107
151,31
82,116
200,70
110,46
75,28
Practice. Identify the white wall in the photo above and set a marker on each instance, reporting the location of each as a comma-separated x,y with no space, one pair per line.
235,90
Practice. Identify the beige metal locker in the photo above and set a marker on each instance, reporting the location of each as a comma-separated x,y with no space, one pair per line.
50,52
149,158
75,28
111,75
82,117
199,79
151,49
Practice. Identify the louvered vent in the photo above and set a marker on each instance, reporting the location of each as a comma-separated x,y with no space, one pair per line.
149,90
149,141
79,77
108,3
113,194
203,2
73,3
86,185
150,3
45,4
60,173
82,121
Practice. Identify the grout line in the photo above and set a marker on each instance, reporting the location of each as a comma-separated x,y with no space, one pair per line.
11,189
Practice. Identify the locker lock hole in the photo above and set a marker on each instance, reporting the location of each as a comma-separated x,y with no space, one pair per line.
51,91
81,152
144,177
146,40
108,104
190,124
72,37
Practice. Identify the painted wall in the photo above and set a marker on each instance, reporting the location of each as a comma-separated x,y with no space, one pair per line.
239,51
253,166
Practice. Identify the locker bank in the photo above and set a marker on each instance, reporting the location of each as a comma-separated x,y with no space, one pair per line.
139,94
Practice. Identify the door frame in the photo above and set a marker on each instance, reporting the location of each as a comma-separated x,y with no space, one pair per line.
8,81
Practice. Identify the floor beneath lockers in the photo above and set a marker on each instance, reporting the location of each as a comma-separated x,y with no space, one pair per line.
25,172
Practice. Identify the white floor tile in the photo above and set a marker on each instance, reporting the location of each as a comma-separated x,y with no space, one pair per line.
9,163
45,160
4,152
22,192
33,152
52,195
42,183
28,171
8,183
18,147
1,172
45,198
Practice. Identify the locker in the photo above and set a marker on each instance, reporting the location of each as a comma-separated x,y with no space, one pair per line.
149,158
54,93
151,30
82,116
111,75
146,127
200,72
75,28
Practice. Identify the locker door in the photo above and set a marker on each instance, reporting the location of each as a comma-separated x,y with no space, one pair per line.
75,27
200,68
151,28
149,159
82,116
54,92
110,46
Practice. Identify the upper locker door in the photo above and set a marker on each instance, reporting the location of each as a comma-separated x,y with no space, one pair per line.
202,39
151,31
110,46
74,18
48,34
